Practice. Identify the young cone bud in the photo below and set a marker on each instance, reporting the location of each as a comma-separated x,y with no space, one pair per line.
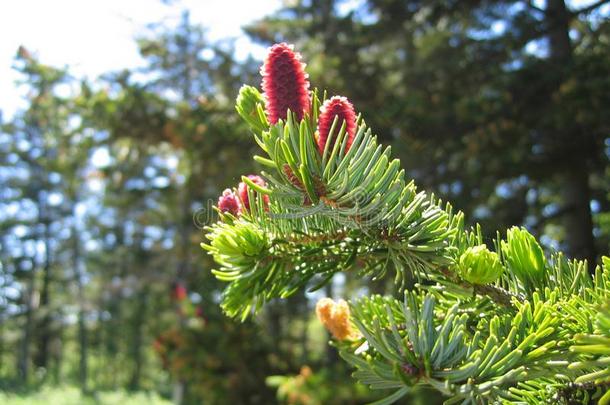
247,103
478,265
336,107
242,191
285,83
524,257
228,202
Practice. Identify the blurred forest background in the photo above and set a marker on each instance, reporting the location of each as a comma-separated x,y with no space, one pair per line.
501,107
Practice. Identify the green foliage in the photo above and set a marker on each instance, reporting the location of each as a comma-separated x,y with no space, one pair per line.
463,355
597,346
361,207
480,326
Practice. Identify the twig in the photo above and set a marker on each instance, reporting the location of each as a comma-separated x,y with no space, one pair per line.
567,391
497,294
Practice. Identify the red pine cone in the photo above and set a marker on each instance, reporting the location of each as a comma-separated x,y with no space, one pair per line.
228,202
341,107
285,83
242,191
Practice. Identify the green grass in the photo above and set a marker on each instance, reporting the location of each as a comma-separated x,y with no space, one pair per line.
72,396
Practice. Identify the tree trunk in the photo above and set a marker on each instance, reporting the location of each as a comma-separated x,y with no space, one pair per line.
1,346
577,220
136,342
574,178
115,302
57,355
44,326
83,368
23,359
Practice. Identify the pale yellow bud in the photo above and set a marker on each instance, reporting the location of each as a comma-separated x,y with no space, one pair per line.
335,318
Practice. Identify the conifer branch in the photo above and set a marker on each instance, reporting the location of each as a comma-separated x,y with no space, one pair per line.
507,323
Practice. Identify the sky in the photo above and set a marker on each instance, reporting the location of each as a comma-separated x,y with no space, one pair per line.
94,37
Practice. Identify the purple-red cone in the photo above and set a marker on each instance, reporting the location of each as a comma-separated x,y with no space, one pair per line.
341,107
242,191
228,202
285,83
